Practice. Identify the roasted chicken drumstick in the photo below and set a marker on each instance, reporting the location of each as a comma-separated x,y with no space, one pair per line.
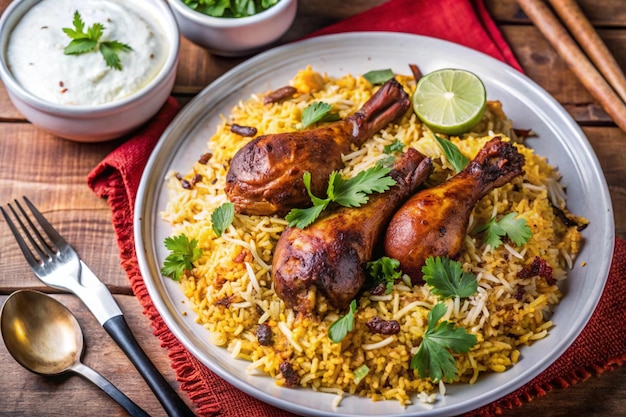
330,255
434,221
265,175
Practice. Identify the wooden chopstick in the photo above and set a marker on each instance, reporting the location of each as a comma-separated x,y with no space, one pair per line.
589,40
549,25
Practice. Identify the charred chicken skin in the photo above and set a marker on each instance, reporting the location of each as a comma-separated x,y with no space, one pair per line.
434,221
331,254
265,175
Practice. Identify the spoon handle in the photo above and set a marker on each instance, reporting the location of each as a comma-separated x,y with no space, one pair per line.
104,384
118,329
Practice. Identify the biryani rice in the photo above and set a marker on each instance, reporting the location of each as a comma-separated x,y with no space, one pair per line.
230,288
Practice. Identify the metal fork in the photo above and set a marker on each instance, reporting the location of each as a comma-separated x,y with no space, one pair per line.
58,265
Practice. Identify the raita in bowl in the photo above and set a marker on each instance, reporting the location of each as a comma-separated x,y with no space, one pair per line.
88,70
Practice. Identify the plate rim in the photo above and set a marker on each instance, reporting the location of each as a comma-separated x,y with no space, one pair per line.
168,144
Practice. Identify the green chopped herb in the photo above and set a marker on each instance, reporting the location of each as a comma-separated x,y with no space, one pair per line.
318,112
360,373
384,270
230,8
447,278
516,229
343,325
222,217
83,42
396,146
352,192
433,358
183,252
453,154
378,76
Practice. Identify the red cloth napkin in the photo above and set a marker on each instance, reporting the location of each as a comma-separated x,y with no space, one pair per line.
601,345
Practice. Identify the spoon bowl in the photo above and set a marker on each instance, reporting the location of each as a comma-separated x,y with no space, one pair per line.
41,333
44,337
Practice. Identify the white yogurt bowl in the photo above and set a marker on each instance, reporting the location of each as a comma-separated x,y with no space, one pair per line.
235,36
94,122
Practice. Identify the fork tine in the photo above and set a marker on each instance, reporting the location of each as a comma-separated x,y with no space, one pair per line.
42,248
51,232
20,241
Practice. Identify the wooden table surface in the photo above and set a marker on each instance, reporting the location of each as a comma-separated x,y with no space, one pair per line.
52,172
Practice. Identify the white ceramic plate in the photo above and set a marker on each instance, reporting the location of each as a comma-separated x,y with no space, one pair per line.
559,138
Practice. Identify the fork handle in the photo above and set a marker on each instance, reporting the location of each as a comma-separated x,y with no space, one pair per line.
118,329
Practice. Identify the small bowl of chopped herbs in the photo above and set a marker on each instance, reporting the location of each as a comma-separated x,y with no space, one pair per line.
235,27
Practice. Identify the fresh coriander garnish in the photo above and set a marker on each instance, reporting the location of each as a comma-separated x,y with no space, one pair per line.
222,217
433,357
396,146
230,8
343,325
453,154
360,373
384,270
183,253
378,76
318,112
352,192
516,229
447,278
89,41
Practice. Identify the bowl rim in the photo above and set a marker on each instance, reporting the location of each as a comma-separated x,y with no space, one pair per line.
228,22
172,34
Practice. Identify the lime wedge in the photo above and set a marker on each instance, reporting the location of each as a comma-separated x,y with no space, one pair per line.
450,101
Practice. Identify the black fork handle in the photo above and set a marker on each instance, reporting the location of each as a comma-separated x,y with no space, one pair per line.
118,329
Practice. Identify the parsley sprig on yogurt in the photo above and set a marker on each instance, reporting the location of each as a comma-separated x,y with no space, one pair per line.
89,41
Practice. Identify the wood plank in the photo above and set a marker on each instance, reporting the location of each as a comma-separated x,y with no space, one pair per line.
542,64
70,394
611,14
63,197
598,396
608,145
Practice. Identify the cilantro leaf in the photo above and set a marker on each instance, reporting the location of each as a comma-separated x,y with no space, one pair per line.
109,51
80,46
222,217
396,146
83,42
353,192
79,26
378,76
433,358
342,326
318,112
447,278
301,218
384,270
453,154
183,252
95,31
348,193
516,229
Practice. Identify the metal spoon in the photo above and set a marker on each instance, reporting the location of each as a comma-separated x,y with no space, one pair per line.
44,337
